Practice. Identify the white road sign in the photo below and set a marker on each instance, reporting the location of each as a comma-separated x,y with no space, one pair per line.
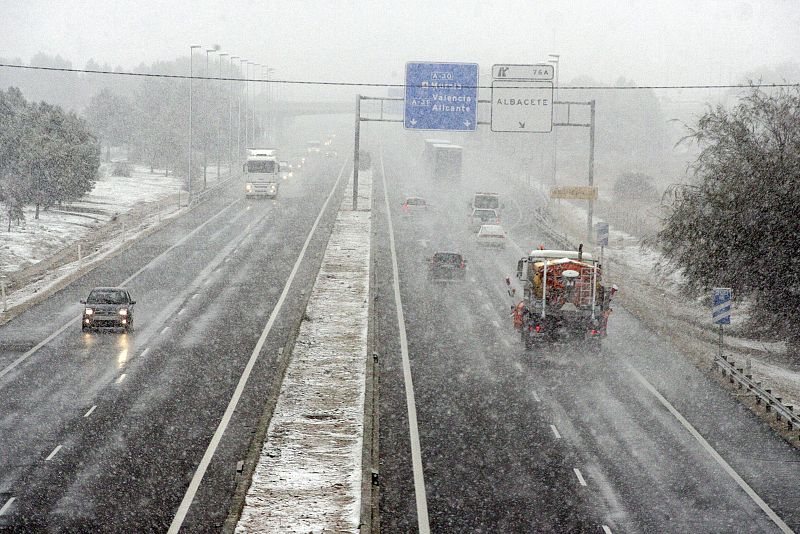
522,106
522,72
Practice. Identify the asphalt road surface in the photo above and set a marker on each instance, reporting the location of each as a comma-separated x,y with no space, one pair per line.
634,439
102,431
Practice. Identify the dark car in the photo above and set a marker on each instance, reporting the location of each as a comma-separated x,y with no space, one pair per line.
445,266
108,307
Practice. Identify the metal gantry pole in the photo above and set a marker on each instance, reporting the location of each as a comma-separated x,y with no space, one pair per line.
355,152
242,63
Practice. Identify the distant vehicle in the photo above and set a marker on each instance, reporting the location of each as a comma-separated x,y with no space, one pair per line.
262,173
297,163
108,307
329,140
412,204
447,266
330,154
442,160
314,147
485,200
491,235
285,169
479,217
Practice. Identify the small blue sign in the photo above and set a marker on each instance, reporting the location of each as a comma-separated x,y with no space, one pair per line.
602,234
721,313
441,96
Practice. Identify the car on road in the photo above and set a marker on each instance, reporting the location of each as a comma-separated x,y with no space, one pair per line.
481,216
447,266
330,154
491,235
108,307
414,204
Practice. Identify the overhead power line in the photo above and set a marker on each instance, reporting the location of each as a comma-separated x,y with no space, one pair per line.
399,85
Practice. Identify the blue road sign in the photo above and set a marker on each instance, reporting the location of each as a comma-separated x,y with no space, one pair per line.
602,234
721,313
441,96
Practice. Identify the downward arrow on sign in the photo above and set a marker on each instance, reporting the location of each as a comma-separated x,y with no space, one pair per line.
413,122
522,125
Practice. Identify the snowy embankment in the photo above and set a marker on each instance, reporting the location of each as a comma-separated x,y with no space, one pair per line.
308,477
656,298
39,255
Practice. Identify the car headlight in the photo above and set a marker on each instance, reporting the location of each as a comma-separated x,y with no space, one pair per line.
123,312
88,311
248,187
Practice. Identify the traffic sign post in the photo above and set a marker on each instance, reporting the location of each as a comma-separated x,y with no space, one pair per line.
441,96
602,240
721,312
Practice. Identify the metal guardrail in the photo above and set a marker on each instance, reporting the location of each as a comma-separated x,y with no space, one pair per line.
771,401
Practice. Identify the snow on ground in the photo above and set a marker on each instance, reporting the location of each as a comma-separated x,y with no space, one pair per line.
62,228
308,478
656,297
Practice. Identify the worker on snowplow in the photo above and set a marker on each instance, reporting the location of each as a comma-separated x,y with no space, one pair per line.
517,313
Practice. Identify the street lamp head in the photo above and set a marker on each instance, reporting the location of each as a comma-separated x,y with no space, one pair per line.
223,55
554,55
195,46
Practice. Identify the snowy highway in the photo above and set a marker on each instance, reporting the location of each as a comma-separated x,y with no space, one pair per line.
105,430
634,439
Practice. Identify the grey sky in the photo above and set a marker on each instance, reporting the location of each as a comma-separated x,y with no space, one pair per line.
663,42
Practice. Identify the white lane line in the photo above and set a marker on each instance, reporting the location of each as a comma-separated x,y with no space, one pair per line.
416,453
145,351
7,505
606,530
91,410
165,330
52,454
714,454
536,397
556,434
181,311
195,295
188,497
505,343
121,378
49,338
580,476
486,306
497,325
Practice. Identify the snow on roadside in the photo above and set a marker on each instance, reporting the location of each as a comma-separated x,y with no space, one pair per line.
35,240
308,477
629,264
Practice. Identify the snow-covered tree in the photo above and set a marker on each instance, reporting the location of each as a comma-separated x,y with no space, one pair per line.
736,224
110,116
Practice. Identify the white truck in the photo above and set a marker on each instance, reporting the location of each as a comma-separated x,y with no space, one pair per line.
484,200
262,173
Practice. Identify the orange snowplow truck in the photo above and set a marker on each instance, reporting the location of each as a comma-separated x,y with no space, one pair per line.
563,299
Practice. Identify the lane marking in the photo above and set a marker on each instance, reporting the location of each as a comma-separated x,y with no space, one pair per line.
180,312
7,505
164,331
145,351
91,410
580,476
714,454
121,378
195,295
536,397
416,453
606,530
556,434
188,497
52,454
497,325
125,282
505,343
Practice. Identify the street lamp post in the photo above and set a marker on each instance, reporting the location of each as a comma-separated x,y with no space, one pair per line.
230,116
555,61
270,114
255,99
191,58
217,115
206,136
242,64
